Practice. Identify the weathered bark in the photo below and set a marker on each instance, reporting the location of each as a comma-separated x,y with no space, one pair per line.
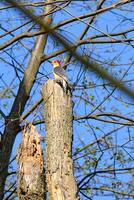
58,122
31,177
13,120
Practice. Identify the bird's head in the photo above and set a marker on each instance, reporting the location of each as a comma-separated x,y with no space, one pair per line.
56,63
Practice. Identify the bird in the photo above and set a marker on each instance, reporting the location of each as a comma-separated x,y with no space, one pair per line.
59,74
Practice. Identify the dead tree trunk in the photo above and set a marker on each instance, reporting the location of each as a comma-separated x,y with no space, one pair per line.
58,122
31,178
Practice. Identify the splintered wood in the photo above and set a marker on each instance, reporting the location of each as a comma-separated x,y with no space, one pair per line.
31,178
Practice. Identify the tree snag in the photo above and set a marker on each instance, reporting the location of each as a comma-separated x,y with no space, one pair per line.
31,178
58,122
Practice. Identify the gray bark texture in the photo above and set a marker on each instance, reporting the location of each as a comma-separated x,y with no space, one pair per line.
58,122
31,177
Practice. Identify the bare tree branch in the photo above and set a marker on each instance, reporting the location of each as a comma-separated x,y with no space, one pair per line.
13,120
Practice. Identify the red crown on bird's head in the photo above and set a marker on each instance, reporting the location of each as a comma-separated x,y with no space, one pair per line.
55,62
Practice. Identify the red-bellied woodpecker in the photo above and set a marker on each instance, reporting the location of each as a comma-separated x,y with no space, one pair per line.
59,74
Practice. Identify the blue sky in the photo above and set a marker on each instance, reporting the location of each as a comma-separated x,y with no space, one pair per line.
121,54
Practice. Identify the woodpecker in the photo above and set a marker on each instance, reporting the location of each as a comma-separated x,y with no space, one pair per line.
59,74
